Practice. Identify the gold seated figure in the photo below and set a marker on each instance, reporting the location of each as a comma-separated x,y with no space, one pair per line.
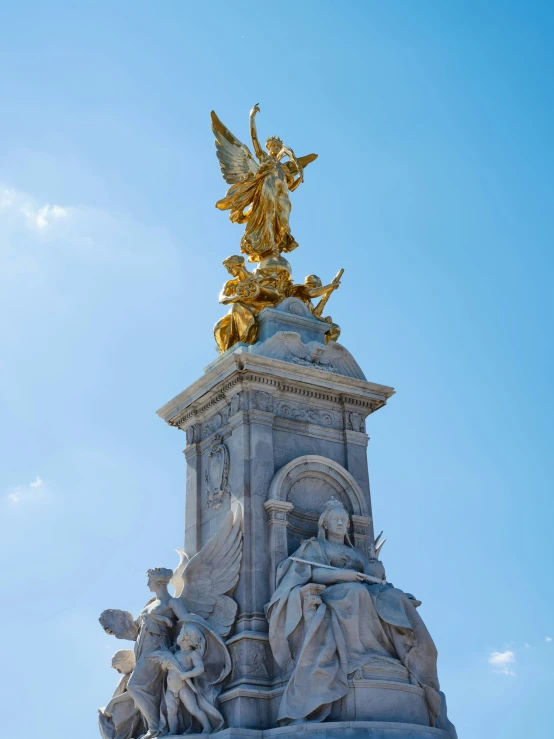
270,283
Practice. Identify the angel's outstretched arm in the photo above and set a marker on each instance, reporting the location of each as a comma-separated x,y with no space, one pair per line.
253,133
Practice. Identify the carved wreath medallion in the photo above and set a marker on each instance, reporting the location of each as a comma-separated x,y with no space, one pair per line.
217,473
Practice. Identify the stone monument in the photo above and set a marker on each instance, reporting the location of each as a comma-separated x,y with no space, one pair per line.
282,622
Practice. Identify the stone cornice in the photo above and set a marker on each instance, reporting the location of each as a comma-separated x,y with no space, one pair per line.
241,370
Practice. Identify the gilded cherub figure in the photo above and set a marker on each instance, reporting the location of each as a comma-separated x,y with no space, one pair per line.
259,192
314,288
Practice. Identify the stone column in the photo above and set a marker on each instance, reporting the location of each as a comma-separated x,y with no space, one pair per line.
355,447
277,513
193,496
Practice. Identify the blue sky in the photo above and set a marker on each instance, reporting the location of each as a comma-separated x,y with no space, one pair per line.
433,126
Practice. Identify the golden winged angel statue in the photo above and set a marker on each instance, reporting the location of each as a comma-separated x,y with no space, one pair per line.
259,192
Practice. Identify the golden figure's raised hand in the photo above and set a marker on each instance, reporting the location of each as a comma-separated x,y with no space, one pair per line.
255,109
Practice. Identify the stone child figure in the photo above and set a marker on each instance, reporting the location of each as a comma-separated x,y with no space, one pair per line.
120,719
182,667
202,585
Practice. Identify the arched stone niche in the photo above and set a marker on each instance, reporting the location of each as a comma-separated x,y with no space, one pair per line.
297,496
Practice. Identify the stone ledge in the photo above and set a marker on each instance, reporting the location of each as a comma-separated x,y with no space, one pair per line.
332,730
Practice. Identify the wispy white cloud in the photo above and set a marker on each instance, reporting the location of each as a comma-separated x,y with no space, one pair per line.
548,638
15,205
503,663
33,491
99,236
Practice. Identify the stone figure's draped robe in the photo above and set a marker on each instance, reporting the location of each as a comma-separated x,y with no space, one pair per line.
266,196
147,679
126,721
355,623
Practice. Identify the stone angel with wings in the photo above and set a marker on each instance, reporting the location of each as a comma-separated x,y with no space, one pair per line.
259,192
203,585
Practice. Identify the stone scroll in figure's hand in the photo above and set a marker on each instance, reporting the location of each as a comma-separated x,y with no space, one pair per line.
120,624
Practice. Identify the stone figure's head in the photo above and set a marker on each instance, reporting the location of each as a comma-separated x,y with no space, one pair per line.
191,637
158,577
312,281
123,661
235,265
273,145
334,519
120,624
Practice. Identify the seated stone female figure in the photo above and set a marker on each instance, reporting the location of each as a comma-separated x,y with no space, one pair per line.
356,622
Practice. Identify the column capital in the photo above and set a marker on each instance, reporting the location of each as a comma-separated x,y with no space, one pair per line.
277,510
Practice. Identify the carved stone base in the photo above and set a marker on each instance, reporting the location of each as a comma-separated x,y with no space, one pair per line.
332,730
378,700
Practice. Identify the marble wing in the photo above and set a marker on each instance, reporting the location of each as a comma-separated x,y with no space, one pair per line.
212,574
289,347
177,579
235,159
342,361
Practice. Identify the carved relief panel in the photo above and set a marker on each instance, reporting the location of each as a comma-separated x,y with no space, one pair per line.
218,465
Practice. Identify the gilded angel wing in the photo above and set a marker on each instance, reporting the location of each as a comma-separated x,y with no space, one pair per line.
236,162
302,161
213,573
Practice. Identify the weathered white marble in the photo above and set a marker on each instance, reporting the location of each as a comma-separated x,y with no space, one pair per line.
175,675
333,730
291,315
280,427
288,346
351,624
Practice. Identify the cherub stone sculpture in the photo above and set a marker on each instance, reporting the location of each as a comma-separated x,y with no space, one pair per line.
120,719
202,586
191,677
358,617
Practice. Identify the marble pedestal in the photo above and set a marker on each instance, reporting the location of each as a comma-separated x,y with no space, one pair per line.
279,428
333,730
